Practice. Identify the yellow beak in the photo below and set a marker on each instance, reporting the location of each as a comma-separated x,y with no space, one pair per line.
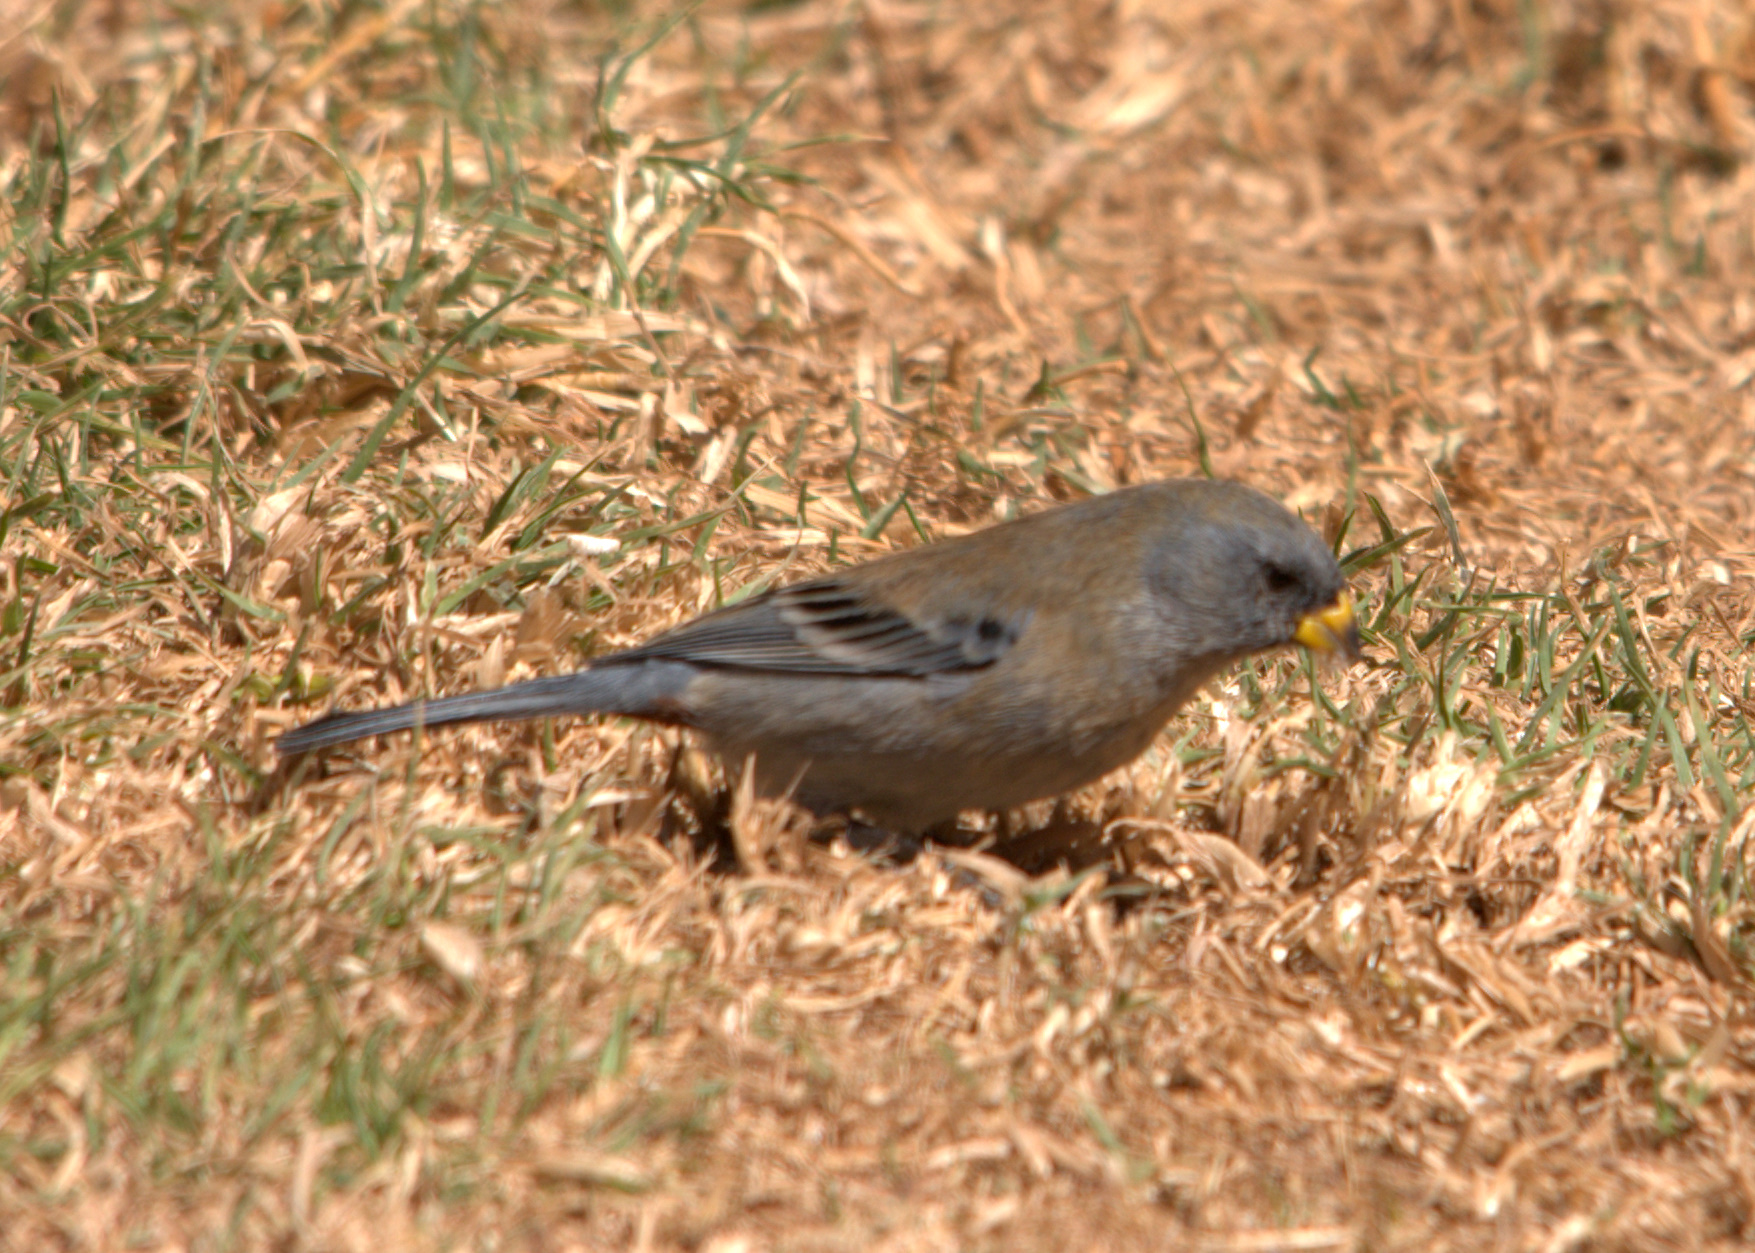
1331,630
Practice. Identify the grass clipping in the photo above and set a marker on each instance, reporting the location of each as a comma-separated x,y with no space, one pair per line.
350,354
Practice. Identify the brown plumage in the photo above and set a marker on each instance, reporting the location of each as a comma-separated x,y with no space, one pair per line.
976,673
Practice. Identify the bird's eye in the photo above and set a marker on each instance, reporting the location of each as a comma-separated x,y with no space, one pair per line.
1279,579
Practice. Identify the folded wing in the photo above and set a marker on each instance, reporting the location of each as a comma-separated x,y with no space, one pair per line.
826,626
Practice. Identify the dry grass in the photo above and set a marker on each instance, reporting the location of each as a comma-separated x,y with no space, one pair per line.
348,352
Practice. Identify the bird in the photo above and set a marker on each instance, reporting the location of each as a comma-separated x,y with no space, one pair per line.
978,672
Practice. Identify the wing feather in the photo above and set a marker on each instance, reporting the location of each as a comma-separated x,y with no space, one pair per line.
826,626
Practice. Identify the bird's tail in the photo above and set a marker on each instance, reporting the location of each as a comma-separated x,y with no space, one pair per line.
651,689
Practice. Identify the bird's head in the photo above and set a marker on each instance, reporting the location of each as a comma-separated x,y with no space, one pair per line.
1236,572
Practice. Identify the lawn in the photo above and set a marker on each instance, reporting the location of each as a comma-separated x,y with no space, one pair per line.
354,352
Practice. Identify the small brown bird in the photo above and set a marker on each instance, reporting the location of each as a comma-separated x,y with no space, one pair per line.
980,672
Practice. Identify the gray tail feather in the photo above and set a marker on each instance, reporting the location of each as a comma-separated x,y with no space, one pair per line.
648,690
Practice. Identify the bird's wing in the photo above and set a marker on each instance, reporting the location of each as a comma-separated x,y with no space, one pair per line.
827,626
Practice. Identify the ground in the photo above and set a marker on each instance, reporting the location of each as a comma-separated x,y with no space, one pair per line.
351,352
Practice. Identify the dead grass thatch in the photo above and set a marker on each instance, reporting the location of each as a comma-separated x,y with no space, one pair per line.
353,352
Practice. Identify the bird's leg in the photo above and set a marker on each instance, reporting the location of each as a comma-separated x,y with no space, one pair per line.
881,842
